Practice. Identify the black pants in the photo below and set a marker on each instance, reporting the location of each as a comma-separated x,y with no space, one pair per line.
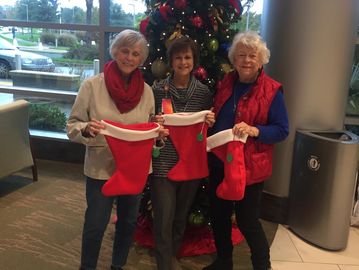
171,202
247,217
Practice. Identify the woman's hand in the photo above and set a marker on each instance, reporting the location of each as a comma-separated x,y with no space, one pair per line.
93,128
163,133
158,119
243,128
210,119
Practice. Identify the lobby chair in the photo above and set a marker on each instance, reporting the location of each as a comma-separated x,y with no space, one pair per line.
15,148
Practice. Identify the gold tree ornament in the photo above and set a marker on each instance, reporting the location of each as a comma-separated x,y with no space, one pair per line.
213,45
177,33
226,68
159,69
216,15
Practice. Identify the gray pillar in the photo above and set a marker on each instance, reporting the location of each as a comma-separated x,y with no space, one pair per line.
96,66
17,61
312,46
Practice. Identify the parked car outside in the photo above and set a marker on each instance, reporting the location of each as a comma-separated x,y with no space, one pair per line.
29,61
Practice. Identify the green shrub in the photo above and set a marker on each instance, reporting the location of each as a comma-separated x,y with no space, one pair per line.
67,40
81,35
48,38
85,52
46,117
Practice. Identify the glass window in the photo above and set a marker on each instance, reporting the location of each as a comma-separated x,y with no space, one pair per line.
57,51
126,13
45,113
353,128
47,48
353,99
54,62
64,11
352,108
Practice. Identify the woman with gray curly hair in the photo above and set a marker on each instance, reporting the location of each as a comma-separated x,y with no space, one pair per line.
251,104
118,94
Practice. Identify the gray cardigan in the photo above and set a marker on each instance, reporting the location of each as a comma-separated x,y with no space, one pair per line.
94,101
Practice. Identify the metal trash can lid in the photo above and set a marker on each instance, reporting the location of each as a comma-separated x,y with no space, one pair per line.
338,136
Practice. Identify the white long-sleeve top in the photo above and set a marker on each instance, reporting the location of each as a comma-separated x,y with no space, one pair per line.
94,101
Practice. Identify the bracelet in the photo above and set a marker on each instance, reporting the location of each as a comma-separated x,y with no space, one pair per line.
160,143
157,147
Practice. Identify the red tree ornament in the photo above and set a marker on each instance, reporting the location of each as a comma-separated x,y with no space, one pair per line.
165,11
200,73
143,25
180,4
197,21
237,6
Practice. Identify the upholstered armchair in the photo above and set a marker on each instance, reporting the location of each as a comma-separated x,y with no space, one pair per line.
15,149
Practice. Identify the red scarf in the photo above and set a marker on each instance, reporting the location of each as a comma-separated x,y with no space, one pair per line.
125,99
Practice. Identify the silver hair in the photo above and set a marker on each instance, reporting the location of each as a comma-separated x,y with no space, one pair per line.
251,40
128,38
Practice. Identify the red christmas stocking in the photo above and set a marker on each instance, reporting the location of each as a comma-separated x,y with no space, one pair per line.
230,150
131,147
188,132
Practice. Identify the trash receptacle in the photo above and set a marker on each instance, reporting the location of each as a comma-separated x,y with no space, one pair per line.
322,186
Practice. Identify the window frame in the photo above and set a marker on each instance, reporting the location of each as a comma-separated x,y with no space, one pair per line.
104,30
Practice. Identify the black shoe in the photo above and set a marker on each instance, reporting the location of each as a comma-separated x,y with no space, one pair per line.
116,267
220,264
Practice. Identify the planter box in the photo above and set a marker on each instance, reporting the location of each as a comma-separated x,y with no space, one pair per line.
46,80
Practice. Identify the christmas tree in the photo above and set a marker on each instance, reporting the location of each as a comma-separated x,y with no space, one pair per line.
207,22
210,24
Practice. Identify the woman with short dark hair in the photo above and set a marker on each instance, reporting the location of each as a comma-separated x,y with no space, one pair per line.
171,199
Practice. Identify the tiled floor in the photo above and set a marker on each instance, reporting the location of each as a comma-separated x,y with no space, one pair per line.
289,252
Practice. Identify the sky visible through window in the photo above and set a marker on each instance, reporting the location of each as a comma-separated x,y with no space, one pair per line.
257,7
130,6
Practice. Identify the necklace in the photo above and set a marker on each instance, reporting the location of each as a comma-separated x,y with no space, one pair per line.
167,90
174,104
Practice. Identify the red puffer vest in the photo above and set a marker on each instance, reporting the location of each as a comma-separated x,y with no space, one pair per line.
253,109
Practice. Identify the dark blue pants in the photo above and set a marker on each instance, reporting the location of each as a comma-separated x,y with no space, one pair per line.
97,216
247,217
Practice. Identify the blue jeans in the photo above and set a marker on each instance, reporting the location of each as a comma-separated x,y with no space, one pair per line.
97,216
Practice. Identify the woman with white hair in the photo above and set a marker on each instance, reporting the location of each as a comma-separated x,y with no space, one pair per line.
118,94
251,104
